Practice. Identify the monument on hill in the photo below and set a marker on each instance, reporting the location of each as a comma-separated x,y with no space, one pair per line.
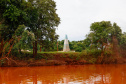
66,45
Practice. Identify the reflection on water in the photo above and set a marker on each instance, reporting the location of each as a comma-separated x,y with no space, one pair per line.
77,74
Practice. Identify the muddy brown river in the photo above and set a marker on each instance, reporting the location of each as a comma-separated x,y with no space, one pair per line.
69,74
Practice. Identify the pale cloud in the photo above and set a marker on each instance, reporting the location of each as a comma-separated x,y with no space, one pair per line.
77,16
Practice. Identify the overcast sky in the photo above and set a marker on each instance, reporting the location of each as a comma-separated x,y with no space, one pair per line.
77,15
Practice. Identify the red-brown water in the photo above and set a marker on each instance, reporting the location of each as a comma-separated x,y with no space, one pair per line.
75,74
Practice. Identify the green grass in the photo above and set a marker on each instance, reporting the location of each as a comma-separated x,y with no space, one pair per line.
57,52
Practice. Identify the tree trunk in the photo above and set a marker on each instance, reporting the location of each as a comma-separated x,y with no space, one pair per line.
57,46
35,48
40,49
115,48
19,50
102,54
100,58
1,47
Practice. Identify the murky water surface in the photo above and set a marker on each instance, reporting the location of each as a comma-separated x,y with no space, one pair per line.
77,74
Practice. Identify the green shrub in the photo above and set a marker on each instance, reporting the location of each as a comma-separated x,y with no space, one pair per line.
92,52
2,61
39,56
78,58
73,55
92,60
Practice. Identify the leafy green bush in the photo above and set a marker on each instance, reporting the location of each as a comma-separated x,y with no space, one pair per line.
78,49
73,55
2,61
39,56
92,52
78,58
92,60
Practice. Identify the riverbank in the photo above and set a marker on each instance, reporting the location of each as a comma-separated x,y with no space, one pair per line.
54,58
44,59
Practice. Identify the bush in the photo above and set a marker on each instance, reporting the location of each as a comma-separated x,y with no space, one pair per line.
2,61
92,52
78,58
39,56
79,49
73,55
92,60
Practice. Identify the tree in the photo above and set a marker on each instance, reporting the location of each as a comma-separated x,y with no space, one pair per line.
101,32
12,14
116,37
103,35
38,17
44,28
15,38
86,43
16,12
123,40
26,41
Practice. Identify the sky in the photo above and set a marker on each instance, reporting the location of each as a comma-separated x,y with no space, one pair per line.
77,16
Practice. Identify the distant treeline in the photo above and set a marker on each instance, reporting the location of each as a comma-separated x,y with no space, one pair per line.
76,46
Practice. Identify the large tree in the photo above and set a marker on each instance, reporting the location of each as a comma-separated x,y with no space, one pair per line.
116,37
12,14
44,28
105,35
101,32
39,16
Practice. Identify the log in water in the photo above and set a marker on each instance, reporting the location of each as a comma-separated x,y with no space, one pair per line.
71,74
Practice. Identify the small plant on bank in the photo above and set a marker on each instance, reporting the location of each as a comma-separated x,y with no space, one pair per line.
78,58
2,61
92,60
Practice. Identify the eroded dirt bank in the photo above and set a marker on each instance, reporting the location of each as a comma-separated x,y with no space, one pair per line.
53,59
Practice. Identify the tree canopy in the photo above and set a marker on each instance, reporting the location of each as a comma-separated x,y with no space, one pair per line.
38,17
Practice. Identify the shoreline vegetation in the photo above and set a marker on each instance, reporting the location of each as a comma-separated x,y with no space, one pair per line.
25,59
31,25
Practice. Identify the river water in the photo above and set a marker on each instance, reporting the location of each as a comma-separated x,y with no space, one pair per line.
69,74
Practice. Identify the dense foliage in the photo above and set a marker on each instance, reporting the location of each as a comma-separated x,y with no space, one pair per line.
31,25
76,46
39,18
